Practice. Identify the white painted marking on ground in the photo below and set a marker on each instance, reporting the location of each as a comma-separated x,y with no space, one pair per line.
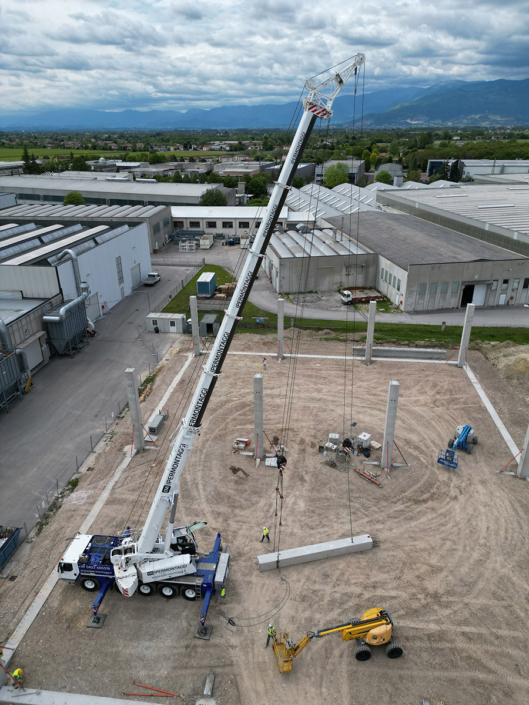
45,591
492,411
170,389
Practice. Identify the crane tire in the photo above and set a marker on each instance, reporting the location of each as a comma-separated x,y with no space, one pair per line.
450,443
147,589
362,653
90,584
394,650
168,591
189,594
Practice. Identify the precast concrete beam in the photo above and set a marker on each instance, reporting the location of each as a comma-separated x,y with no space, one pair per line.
316,552
465,336
370,331
193,305
280,329
135,410
523,465
389,428
406,353
258,411
34,696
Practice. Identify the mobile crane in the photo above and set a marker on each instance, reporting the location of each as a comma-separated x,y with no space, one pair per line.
374,629
168,562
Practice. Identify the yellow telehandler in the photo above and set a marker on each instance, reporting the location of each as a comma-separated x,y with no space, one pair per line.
374,629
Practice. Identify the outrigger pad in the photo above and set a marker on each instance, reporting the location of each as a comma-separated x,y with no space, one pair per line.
96,621
204,632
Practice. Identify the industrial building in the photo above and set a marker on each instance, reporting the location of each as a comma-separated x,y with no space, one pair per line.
422,266
11,168
475,168
109,192
157,218
112,261
495,214
225,220
356,169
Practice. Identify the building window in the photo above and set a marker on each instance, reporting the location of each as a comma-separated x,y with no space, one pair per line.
227,224
505,284
433,288
422,289
179,224
194,223
526,283
394,281
154,322
211,224
245,224
455,287
156,228
382,272
494,285
398,284
386,275
166,222
257,223
444,288
515,284
119,270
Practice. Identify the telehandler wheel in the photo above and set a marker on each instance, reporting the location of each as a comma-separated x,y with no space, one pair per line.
394,650
90,584
450,443
362,652
147,589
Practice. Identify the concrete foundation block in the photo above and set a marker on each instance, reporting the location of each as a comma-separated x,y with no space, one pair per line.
316,552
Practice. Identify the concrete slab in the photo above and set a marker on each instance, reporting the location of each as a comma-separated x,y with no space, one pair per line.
316,552
50,697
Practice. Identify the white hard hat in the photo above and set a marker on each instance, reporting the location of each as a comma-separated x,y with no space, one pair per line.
264,527
270,625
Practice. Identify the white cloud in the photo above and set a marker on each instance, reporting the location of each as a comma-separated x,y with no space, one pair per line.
179,54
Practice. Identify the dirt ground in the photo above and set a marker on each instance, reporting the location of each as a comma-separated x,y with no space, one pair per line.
450,563
512,364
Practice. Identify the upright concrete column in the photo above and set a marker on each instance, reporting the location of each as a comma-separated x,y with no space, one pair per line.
280,329
465,337
258,415
370,331
135,411
193,305
389,429
523,466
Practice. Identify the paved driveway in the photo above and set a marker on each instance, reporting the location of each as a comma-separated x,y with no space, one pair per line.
69,402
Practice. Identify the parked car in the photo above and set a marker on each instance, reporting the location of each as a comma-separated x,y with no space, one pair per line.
152,279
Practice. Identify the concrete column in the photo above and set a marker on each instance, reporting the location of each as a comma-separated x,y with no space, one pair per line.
258,415
370,331
465,336
389,429
193,305
134,406
523,466
280,329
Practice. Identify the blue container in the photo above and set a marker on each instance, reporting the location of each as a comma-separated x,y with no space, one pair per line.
9,546
206,284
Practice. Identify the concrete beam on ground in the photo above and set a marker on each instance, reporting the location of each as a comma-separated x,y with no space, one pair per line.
389,429
135,410
523,466
316,552
370,331
408,353
280,329
193,305
465,336
258,414
33,696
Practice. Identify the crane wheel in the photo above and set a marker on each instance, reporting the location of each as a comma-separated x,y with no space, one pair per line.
363,653
189,594
146,589
450,443
90,584
394,650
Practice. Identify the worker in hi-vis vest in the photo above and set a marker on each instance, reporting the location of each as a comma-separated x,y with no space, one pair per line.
265,535
271,633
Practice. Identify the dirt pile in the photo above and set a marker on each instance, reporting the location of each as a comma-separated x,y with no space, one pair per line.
512,363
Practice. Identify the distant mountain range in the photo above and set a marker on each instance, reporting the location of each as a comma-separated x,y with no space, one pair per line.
500,102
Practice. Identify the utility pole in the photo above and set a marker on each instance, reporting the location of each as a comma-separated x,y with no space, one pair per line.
193,305
135,411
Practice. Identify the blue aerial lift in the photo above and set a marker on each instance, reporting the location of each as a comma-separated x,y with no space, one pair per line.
464,439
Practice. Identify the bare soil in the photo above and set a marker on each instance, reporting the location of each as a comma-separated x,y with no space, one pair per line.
450,562
512,363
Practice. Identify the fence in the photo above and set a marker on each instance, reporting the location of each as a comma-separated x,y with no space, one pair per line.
162,303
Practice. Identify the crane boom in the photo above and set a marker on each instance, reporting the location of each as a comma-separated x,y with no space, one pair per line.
318,104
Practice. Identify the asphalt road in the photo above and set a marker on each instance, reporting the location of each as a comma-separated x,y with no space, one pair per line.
71,400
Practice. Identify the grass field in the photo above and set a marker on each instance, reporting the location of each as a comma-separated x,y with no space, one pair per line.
399,332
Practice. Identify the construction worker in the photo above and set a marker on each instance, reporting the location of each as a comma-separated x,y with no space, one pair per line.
17,675
264,363
271,634
265,535
223,592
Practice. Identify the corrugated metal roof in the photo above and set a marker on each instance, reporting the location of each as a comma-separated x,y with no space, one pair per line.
42,252
40,183
223,212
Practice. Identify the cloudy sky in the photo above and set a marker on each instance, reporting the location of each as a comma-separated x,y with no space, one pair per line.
177,54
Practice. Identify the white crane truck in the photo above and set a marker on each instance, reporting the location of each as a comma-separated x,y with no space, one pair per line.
169,562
